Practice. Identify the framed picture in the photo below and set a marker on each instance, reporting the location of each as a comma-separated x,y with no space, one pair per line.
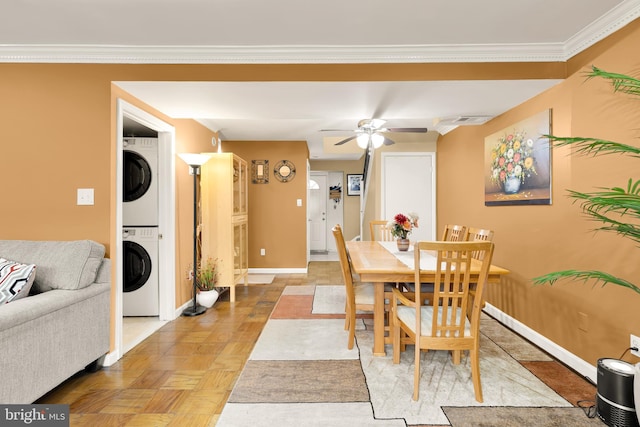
260,171
354,184
517,163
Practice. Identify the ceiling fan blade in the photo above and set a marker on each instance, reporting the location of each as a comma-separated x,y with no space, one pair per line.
346,140
337,130
388,141
416,130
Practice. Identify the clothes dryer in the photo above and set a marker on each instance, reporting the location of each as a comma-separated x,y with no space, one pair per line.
140,271
140,182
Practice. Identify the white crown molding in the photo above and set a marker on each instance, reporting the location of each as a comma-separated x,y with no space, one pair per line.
618,17
615,19
280,54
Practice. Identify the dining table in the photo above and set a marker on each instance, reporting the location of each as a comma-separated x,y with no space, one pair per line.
381,262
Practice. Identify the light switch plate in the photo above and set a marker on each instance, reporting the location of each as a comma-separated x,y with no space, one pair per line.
85,196
299,202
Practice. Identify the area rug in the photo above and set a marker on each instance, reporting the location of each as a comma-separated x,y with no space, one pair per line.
505,382
261,279
519,417
306,381
301,372
329,299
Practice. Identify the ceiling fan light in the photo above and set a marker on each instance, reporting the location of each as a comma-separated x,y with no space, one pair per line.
363,140
377,140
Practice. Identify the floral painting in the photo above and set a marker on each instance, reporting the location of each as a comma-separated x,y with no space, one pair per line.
518,163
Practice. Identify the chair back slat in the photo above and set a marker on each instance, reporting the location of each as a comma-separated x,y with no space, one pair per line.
479,234
379,231
454,233
345,264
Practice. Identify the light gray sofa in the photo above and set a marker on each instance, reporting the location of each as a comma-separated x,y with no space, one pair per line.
63,328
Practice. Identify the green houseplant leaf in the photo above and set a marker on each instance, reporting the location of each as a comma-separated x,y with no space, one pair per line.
616,209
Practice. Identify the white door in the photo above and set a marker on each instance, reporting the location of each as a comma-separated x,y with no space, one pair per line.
318,195
409,185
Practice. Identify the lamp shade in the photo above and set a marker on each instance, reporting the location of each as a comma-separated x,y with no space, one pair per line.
363,140
377,140
195,159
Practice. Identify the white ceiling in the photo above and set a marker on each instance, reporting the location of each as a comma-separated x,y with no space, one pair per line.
328,31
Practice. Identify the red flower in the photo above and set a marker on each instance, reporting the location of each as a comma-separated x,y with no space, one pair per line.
400,219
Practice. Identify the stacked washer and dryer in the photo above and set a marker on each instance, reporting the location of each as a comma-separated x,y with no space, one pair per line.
140,230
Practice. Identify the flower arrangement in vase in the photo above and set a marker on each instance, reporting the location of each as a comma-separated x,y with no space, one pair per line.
512,161
401,226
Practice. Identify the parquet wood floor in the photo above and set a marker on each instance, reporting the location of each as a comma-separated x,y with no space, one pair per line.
182,375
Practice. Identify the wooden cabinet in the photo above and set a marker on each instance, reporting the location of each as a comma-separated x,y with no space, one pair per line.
224,207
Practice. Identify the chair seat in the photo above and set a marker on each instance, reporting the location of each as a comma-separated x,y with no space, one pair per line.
365,294
408,316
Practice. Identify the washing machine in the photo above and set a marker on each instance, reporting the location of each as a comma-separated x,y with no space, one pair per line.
140,182
140,271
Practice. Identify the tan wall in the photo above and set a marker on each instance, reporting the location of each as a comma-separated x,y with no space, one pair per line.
533,240
276,223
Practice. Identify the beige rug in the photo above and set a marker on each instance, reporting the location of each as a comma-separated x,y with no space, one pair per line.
329,299
261,279
505,382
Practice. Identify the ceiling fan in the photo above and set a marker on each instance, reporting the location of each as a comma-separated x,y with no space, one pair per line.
371,130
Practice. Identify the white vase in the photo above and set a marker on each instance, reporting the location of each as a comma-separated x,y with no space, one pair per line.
512,185
636,390
207,298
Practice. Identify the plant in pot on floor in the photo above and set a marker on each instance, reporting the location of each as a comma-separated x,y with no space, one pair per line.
206,281
610,206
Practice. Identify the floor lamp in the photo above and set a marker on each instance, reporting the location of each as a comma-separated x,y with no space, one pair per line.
195,161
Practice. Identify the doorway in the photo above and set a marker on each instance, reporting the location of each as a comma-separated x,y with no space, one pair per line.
419,196
166,221
318,195
325,211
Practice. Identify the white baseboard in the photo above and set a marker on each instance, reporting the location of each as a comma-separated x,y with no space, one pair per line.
579,365
277,270
111,358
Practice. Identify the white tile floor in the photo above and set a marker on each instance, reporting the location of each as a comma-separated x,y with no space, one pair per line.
136,329
329,256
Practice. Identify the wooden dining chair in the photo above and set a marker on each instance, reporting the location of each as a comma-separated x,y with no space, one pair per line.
447,324
380,231
454,233
451,233
360,296
479,234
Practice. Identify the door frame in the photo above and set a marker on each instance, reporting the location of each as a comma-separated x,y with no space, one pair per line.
166,219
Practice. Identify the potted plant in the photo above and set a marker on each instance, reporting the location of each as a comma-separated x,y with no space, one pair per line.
206,281
609,206
401,226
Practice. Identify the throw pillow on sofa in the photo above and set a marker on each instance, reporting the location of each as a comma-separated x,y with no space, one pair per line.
15,280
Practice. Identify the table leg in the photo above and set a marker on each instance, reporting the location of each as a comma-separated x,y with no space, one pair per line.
378,320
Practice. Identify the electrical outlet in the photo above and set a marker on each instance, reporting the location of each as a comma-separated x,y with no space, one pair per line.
635,342
190,275
263,252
